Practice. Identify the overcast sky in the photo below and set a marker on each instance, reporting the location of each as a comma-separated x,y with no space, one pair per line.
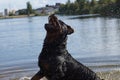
19,4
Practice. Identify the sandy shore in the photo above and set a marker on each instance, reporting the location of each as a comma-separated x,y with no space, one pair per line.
109,75
112,75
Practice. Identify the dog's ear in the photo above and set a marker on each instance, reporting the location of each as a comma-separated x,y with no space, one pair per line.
70,30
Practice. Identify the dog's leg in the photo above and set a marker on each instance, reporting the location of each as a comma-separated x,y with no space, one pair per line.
37,76
59,71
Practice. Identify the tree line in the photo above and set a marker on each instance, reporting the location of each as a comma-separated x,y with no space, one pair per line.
27,11
79,7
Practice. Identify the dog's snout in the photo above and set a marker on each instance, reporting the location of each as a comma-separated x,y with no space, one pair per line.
48,27
70,30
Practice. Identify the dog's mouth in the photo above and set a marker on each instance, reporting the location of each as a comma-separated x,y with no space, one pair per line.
53,24
57,26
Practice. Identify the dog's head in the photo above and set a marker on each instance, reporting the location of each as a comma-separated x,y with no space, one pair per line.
56,27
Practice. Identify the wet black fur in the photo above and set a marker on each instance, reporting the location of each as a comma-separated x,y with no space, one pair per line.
60,65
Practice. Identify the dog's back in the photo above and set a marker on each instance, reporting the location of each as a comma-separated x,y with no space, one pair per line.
77,71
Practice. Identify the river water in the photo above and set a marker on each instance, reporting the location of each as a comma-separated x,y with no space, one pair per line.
95,43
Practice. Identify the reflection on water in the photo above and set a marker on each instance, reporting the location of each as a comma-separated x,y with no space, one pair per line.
96,40
97,37
110,35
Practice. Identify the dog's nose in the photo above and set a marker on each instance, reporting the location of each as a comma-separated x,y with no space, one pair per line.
49,27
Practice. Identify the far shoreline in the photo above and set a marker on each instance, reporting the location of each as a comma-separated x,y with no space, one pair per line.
73,16
33,15
19,16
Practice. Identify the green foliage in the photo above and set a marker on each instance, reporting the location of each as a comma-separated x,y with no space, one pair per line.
22,12
78,7
73,8
111,9
29,8
104,7
93,3
11,14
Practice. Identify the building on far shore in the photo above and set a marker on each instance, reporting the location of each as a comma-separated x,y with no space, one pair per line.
48,9
1,14
58,5
6,12
12,12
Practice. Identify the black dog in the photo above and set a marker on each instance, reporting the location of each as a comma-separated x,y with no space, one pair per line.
54,61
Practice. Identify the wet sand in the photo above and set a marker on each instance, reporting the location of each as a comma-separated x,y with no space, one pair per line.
108,75
112,75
